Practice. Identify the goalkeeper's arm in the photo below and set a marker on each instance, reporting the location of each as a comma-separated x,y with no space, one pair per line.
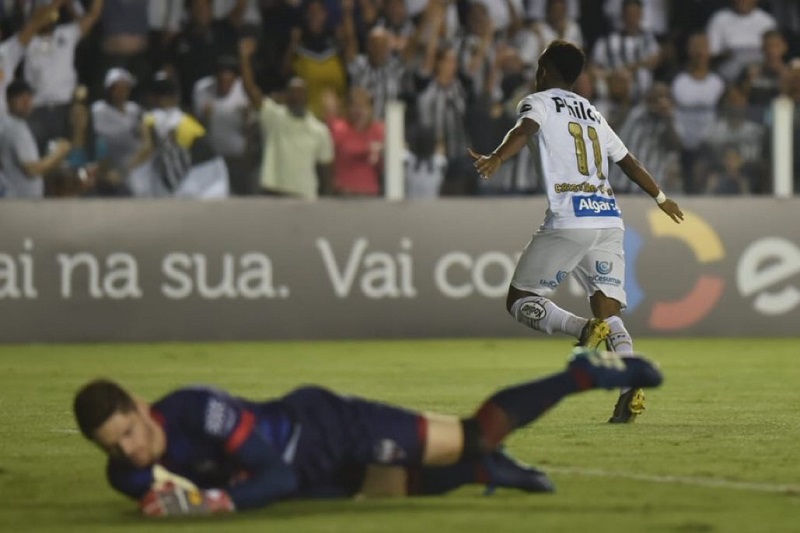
269,479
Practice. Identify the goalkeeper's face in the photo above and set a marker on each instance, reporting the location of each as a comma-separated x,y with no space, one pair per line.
133,436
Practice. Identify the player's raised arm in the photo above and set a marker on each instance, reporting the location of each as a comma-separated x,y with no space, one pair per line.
641,177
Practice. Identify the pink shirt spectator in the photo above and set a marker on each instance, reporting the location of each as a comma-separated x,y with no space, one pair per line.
358,157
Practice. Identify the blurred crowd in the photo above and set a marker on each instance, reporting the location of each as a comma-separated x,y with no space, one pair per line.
206,98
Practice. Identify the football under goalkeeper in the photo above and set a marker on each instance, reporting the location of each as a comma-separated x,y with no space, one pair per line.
202,451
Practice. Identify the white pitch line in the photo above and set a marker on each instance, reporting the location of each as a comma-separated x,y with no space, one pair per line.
681,480
68,431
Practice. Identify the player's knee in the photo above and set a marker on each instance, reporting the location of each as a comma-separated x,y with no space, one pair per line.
513,299
532,311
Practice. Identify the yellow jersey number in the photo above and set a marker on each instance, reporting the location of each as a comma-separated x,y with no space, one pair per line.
576,131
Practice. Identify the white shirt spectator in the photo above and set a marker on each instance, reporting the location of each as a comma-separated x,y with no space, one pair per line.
18,147
50,65
11,52
227,117
119,128
739,35
696,106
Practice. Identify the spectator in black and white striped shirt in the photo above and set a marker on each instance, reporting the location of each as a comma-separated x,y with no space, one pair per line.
396,21
632,48
378,71
442,103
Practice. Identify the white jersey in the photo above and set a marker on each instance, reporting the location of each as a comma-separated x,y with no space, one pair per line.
572,151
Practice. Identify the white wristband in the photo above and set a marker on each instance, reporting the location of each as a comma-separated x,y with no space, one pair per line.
661,198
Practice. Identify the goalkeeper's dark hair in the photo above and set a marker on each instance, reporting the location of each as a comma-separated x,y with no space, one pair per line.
565,59
97,401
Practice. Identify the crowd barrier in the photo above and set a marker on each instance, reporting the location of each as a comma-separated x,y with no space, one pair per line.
252,269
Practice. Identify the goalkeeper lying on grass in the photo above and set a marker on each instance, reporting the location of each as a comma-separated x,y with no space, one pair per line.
201,450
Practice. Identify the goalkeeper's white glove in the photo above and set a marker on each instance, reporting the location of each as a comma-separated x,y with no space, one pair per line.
172,500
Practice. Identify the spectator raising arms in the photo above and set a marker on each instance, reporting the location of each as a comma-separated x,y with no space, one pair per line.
632,48
299,150
12,50
221,103
50,70
314,55
379,71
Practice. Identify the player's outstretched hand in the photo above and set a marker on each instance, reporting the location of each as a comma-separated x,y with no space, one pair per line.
486,165
672,209
172,500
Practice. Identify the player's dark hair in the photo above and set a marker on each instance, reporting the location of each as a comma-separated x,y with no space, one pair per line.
565,58
97,401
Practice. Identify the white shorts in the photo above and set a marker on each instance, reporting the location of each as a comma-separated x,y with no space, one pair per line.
595,257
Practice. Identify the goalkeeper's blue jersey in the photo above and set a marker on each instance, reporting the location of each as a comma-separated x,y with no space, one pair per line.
206,430
309,443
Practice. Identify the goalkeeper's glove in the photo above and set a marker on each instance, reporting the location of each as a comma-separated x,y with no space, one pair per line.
172,500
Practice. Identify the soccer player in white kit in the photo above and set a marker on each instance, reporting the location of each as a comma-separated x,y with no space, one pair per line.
582,231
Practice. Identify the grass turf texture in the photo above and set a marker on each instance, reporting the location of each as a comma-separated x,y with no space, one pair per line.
717,449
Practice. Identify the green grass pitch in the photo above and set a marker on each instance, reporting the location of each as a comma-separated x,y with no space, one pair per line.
718,448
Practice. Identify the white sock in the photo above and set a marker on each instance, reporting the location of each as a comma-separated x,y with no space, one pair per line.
619,339
539,313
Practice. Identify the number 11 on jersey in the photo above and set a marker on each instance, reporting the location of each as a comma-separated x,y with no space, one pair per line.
576,131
